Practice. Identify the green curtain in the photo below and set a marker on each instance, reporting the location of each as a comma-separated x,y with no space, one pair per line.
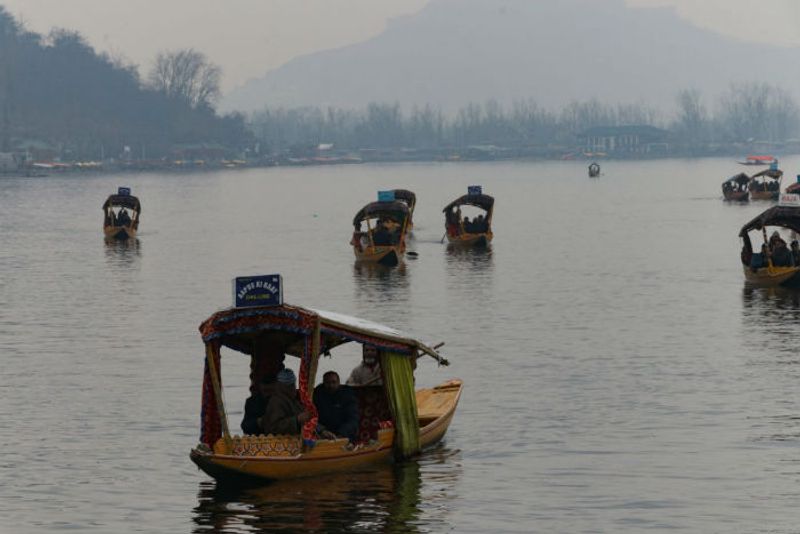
399,379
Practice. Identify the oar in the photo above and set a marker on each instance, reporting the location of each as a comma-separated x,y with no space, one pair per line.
443,236
411,253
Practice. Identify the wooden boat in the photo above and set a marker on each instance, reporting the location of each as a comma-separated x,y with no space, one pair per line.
117,223
395,421
379,233
794,189
767,267
473,233
766,185
410,199
759,160
737,188
594,170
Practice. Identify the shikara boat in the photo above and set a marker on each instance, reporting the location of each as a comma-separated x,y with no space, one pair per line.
410,199
794,189
394,420
117,222
759,160
469,233
379,232
774,264
737,188
594,170
766,185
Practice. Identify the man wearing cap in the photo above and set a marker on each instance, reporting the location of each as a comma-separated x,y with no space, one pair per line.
284,414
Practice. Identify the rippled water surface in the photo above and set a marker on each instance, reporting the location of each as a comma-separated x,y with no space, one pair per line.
619,375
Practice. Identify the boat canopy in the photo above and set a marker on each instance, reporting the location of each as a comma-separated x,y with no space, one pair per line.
740,178
406,196
766,159
396,209
784,216
123,201
485,202
238,328
775,174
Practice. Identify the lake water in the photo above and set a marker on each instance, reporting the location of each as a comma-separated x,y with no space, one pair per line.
619,375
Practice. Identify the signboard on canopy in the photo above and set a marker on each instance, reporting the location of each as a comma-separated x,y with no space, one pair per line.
263,290
385,196
789,199
474,190
124,191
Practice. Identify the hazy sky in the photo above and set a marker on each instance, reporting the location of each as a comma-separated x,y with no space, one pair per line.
249,37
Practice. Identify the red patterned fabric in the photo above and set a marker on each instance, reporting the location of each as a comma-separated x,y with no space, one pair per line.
309,429
373,412
210,425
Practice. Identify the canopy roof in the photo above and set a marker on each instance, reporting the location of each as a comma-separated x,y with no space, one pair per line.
775,174
481,201
740,178
761,158
395,209
239,328
123,201
784,216
406,196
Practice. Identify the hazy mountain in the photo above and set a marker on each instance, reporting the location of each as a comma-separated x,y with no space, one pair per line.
554,51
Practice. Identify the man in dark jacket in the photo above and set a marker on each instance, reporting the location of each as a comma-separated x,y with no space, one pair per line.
284,414
256,405
337,407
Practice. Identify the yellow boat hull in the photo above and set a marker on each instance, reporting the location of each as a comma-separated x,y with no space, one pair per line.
435,406
387,255
119,232
772,276
471,240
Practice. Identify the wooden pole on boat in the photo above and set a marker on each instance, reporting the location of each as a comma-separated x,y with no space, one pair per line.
312,365
369,234
223,418
769,252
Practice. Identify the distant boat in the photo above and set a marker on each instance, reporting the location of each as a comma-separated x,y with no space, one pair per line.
117,222
737,188
383,240
759,160
766,185
477,232
594,170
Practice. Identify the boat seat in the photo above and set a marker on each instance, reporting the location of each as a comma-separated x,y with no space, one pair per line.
373,412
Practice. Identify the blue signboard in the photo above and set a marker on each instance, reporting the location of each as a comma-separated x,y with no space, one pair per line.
264,290
385,196
124,191
474,190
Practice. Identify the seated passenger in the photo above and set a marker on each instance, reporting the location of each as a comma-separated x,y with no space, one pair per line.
368,372
466,225
381,236
337,407
781,256
255,406
123,219
284,414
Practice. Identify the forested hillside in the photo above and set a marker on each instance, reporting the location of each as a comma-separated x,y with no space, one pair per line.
57,94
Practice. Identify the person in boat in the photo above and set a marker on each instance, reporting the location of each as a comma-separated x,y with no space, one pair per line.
466,224
123,219
368,372
337,408
781,256
381,236
256,405
284,414
795,247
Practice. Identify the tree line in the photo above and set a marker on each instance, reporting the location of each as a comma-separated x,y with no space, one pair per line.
748,112
56,91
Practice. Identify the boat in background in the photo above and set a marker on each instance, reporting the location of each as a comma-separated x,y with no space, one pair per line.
794,189
477,232
774,264
395,421
766,185
117,222
759,160
594,170
737,188
379,230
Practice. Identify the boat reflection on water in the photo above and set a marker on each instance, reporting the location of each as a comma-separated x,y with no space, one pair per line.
378,284
122,252
380,499
770,318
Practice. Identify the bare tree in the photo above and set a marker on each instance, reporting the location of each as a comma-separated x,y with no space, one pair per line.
187,75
